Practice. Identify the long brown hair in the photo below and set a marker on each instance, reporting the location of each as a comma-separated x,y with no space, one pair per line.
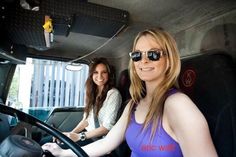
172,70
92,100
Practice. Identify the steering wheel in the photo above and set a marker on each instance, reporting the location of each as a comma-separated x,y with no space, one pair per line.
26,118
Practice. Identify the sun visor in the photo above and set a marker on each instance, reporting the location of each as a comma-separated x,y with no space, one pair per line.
99,20
13,53
26,26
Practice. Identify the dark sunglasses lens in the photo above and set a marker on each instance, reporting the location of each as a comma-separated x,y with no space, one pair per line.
154,55
136,56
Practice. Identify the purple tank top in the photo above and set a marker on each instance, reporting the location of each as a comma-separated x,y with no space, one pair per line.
163,145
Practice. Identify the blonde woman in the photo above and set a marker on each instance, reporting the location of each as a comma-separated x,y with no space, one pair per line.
159,120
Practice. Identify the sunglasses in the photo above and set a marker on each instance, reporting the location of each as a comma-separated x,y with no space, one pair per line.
153,55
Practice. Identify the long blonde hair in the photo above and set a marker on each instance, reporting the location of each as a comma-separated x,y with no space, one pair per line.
137,88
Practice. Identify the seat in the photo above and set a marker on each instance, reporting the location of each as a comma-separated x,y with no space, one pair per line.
66,118
63,119
210,81
123,86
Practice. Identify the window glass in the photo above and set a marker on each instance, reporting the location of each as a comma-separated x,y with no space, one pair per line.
40,85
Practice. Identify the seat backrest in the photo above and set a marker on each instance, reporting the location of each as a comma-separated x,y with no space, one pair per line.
210,81
123,85
65,119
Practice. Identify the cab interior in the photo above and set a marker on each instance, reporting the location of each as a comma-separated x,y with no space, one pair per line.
73,32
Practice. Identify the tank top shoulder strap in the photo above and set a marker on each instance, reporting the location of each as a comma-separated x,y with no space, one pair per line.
171,91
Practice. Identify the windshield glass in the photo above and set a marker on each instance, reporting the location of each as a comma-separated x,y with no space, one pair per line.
40,85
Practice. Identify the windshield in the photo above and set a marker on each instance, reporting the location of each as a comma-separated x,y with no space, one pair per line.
40,85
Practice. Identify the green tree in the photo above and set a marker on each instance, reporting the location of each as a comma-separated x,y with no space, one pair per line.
14,88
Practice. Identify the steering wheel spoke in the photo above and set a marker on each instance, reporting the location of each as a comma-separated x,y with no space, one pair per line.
24,127
25,122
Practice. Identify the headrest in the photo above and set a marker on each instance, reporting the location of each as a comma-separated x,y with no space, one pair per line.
123,84
210,81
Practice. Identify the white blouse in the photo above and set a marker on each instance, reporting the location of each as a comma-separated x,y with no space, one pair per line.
108,112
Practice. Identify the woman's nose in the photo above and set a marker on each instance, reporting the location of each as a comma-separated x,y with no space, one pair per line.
100,75
144,58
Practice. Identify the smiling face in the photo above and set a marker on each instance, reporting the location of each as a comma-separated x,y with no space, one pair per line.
146,69
100,75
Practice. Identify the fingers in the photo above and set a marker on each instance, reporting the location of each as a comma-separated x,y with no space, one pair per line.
53,148
56,140
73,136
49,146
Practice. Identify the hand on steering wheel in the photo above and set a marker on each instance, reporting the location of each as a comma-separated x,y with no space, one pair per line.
23,117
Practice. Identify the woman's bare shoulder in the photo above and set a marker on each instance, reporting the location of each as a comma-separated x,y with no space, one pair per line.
180,109
178,101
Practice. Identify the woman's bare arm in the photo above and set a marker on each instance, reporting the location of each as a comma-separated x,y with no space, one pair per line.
115,136
189,126
113,139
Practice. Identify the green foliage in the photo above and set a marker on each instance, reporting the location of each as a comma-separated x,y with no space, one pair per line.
14,89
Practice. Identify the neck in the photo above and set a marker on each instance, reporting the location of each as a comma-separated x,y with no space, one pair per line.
100,88
151,86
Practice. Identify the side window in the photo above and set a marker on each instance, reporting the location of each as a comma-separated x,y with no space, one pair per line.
46,84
